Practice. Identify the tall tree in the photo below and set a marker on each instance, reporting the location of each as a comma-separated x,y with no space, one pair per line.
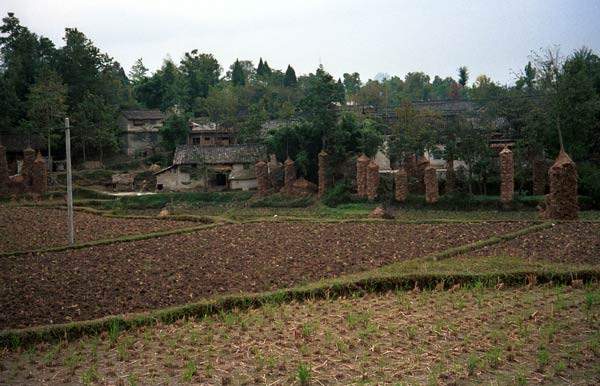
174,131
238,77
23,55
138,72
199,72
463,76
95,125
352,83
289,79
79,64
47,107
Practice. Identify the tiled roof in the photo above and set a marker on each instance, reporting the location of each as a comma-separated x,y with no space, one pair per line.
143,114
212,155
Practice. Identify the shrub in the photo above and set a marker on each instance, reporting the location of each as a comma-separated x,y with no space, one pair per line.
280,201
338,194
589,182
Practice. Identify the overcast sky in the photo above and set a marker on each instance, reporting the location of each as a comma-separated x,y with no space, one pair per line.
489,37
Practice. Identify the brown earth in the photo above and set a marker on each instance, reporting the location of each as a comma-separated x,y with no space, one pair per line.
25,228
563,243
178,269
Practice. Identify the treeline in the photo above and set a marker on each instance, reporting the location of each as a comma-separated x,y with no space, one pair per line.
40,84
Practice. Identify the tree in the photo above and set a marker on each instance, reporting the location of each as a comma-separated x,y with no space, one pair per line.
463,76
23,55
198,72
352,83
174,131
289,80
484,88
527,80
417,86
263,71
79,65
138,72
238,77
441,88
471,146
95,125
221,105
414,132
46,106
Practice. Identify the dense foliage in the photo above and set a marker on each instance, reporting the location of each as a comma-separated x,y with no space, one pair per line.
41,83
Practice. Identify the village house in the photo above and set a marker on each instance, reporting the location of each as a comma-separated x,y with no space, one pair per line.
213,168
206,133
140,131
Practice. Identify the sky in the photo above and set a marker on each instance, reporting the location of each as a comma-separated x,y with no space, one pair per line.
495,38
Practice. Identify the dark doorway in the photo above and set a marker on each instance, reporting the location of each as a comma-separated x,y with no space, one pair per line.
221,179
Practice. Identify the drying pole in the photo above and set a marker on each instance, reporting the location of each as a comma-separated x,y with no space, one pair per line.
69,182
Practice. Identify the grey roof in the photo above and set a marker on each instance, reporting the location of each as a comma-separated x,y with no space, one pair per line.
446,107
143,114
214,155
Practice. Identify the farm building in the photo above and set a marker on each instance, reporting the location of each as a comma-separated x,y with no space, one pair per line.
206,133
211,168
140,131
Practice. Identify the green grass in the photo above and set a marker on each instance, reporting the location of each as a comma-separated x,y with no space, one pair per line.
160,200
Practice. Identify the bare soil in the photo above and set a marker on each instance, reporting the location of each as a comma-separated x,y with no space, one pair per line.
26,228
563,243
467,337
143,275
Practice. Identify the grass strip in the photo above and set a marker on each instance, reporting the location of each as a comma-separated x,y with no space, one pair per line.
483,243
123,239
341,287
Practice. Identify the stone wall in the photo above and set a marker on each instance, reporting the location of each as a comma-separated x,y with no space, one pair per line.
372,180
323,157
432,193
401,185
507,176
361,175
561,202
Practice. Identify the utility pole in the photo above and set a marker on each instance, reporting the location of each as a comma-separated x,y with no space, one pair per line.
69,182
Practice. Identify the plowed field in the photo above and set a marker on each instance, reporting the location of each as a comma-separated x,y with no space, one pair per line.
173,270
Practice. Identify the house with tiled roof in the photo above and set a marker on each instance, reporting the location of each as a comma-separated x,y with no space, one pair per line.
140,131
214,168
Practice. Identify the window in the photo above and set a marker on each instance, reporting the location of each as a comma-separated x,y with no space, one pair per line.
159,186
246,166
195,141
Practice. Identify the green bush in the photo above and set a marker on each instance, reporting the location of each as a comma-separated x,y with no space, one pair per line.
280,201
338,194
589,182
160,200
